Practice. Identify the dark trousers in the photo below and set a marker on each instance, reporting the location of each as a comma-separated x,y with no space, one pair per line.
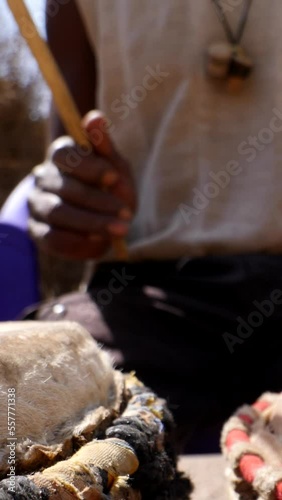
205,334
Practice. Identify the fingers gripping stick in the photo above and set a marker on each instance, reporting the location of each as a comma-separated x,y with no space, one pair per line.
65,104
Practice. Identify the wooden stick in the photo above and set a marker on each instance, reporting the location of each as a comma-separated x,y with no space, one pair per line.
63,99
64,102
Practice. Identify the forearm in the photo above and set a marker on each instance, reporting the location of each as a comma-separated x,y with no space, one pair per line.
75,59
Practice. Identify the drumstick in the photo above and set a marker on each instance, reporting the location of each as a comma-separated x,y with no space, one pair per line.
65,104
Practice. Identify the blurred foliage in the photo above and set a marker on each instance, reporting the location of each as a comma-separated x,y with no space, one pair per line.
24,105
24,108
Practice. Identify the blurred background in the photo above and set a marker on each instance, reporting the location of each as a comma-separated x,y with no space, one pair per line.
24,102
24,109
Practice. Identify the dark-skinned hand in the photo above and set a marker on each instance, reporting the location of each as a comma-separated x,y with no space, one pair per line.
82,199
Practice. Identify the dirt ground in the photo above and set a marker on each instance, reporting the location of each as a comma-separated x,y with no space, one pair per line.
207,473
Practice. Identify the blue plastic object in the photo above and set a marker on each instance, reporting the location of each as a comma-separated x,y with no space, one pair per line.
18,272
19,277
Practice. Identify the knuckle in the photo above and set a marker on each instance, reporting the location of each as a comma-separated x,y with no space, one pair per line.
44,205
44,173
60,144
52,206
38,230
38,170
60,156
63,153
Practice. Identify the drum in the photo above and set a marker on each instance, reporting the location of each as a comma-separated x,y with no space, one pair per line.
251,443
72,427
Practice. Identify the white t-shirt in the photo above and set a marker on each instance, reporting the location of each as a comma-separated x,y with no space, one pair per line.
207,163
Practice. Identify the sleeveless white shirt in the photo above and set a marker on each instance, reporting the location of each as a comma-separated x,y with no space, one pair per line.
207,163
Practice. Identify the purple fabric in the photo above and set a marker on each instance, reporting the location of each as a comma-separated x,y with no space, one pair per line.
18,257
18,272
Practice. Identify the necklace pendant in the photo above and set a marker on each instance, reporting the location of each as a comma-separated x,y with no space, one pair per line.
241,64
226,61
240,68
219,56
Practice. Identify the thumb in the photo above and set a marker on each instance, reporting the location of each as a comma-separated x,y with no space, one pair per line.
96,126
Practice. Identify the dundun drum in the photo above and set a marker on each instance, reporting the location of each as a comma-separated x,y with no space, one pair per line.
77,428
251,442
